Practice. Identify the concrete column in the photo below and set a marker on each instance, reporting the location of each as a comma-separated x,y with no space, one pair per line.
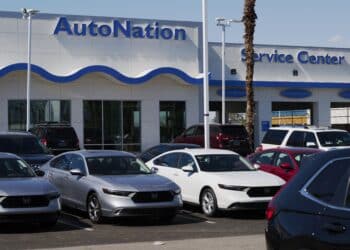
3,115
77,119
191,111
150,133
263,111
322,113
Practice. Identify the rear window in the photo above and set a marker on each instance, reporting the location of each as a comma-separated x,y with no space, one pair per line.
61,133
334,138
21,145
274,136
234,130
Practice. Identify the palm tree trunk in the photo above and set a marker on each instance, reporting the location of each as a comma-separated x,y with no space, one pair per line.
249,18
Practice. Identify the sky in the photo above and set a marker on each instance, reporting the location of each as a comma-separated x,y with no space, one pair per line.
320,23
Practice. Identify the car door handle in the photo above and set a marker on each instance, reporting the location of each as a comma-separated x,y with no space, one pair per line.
335,227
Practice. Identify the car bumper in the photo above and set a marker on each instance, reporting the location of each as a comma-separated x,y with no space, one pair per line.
113,206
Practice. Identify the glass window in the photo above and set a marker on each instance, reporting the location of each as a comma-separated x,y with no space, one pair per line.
131,126
310,140
14,168
172,118
334,138
296,139
274,136
168,160
116,165
191,131
185,159
200,131
330,182
299,157
265,158
223,163
76,162
283,158
214,130
21,145
60,162
40,111
93,124
112,125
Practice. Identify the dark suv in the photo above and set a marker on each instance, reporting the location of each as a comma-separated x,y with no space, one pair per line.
232,137
58,137
26,146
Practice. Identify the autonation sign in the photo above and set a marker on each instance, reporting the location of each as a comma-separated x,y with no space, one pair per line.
303,56
126,29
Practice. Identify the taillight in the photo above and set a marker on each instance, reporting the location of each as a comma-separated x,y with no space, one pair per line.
43,141
259,149
270,212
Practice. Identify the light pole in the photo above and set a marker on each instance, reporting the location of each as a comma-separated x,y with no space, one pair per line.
27,14
223,23
205,73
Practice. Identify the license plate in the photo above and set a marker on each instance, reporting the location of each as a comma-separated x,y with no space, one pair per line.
236,143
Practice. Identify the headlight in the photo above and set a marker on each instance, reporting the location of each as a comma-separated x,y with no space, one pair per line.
176,191
232,187
53,195
117,192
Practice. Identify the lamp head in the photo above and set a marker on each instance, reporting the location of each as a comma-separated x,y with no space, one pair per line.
28,12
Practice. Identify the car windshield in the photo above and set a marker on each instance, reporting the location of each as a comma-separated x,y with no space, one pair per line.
21,145
14,168
334,138
116,165
61,133
223,163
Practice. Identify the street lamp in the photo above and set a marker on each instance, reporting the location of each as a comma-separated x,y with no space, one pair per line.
224,23
27,14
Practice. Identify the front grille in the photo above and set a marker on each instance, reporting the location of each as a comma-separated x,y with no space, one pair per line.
263,191
160,196
25,201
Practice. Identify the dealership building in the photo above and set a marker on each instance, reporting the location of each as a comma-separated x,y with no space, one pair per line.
128,83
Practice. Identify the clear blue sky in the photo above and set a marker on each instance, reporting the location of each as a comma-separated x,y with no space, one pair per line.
285,22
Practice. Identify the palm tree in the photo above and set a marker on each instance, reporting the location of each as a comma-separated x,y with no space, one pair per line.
249,17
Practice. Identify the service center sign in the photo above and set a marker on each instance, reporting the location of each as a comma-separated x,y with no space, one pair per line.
126,29
303,57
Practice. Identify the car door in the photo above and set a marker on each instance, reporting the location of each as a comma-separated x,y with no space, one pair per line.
190,182
285,174
77,186
331,189
167,165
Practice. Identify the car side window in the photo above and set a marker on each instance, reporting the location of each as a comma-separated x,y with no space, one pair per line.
200,131
168,160
332,184
60,162
310,140
186,159
283,158
265,158
296,139
77,162
190,131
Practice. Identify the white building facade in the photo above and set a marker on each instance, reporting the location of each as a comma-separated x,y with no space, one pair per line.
128,84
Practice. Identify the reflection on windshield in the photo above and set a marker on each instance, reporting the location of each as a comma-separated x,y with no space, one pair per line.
223,163
116,165
334,139
14,168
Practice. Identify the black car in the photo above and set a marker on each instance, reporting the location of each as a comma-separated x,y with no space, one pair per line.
26,146
57,137
313,210
154,151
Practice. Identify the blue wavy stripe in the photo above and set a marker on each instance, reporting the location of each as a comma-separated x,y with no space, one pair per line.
101,69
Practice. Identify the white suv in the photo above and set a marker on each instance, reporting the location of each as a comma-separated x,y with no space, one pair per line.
310,137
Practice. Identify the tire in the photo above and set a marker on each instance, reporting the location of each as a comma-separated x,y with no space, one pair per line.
209,203
94,209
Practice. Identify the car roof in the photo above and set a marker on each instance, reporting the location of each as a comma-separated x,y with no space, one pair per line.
205,151
4,155
178,145
15,133
310,128
294,149
101,153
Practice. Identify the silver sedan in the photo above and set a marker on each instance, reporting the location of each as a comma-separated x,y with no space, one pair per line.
25,197
107,183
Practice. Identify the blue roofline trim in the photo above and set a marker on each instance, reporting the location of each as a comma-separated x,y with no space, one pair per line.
101,69
238,83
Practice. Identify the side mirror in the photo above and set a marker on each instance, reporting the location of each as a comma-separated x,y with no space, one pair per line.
188,168
256,166
76,171
39,172
311,144
154,170
286,166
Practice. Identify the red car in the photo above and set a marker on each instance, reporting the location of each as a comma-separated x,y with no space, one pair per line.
283,162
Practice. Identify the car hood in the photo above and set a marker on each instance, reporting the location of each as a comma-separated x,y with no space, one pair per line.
247,178
147,182
25,186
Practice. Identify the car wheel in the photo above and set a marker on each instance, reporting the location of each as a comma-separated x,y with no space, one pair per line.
94,209
209,202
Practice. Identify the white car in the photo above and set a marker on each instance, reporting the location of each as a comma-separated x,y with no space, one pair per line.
217,179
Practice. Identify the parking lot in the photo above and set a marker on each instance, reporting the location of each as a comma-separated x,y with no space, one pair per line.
74,229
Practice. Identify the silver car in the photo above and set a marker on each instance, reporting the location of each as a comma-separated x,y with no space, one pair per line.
25,197
108,183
